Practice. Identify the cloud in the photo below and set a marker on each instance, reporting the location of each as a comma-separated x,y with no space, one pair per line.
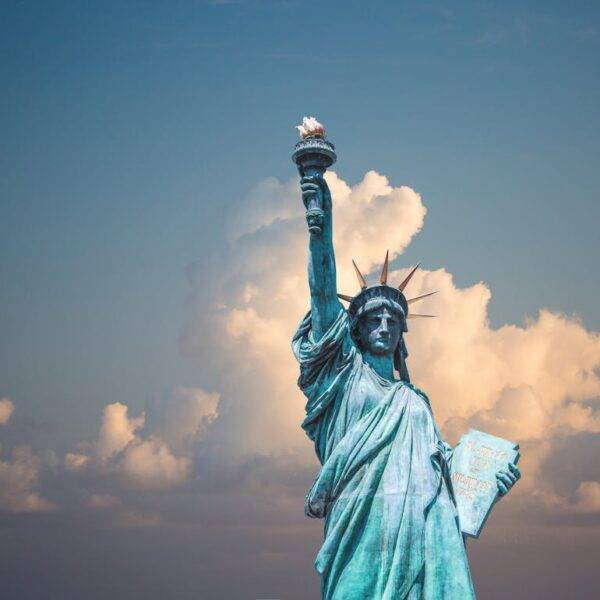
153,453
532,382
19,478
588,496
183,419
117,430
75,462
150,463
535,382
522,381
220,470
239,329
6,410
20,474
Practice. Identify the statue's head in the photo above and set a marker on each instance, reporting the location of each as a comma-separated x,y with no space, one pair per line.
377,322
379,331
378,317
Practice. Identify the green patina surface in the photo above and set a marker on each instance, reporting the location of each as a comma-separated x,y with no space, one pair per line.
391,522
391,527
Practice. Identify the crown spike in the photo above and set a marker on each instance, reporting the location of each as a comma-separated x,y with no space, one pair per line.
345,297
359,276
384,270
408,277
415,315
421,297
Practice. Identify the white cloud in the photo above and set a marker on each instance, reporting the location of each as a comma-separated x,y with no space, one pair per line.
534,382
150,463
183,419
117,429
19,478
588,497
148,454
531,382
6,410
240,327
75,461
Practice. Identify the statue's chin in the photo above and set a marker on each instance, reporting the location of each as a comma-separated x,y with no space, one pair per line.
381,349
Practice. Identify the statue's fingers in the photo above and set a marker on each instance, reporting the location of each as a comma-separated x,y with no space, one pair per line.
515,470
309,179
309,186
505,478
502,488
320,181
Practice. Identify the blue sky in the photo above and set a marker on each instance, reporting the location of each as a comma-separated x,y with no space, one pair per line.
130,131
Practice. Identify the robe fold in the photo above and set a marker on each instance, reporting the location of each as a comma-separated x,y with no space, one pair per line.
391,526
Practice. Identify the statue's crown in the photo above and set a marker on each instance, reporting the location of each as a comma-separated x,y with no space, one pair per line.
377,296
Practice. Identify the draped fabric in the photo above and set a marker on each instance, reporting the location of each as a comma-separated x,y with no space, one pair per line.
391,527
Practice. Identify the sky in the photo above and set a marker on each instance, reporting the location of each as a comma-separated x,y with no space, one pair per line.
153,265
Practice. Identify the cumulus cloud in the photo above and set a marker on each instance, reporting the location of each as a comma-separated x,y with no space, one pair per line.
535,382
532,382
117,430
147,455
19,479
20,474
183,419
522,381
588,496
234,464
239,328
150,463
6,410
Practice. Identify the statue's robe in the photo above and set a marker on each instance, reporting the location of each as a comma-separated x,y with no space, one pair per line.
391,525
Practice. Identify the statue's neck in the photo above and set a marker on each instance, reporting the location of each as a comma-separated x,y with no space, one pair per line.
382,365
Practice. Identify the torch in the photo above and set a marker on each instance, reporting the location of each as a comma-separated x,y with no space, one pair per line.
313,154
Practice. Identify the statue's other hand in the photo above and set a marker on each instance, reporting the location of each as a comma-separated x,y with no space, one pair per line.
506,478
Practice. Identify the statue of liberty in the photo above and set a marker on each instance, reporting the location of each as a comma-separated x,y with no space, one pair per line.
384,489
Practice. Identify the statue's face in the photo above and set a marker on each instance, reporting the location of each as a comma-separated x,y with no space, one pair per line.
380,331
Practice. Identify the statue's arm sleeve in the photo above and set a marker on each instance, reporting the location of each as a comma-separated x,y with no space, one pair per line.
326,365
322,360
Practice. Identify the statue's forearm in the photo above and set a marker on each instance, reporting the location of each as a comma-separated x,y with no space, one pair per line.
325,305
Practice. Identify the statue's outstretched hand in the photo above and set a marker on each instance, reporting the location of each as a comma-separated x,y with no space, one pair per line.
506,478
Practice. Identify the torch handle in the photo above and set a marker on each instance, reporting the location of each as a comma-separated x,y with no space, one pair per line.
315,216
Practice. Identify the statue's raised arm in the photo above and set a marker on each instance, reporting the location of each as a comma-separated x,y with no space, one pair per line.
324,302
313,155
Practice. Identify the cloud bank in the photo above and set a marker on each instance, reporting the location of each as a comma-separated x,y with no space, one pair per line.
533,382
228,457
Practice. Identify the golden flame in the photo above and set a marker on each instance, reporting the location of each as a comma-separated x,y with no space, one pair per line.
311,128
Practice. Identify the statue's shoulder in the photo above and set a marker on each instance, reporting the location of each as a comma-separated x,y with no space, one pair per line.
419,392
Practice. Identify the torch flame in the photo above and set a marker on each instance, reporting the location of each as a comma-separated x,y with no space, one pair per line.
311,128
